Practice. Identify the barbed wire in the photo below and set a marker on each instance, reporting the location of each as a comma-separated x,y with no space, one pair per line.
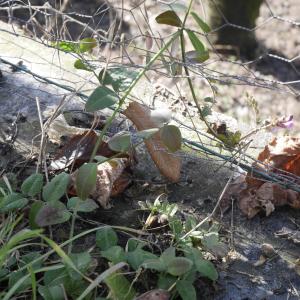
121,31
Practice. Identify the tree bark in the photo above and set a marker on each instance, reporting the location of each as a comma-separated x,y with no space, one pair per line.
223,13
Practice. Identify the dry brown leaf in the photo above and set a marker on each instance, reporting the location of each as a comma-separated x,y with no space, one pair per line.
107,175
268,250
78,150
281,155
167,163
111,181
262,259
155,295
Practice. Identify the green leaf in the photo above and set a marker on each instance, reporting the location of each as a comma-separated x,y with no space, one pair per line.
86,180
197,57
32,185
168,255
106,238
56,188
165,281
120,78
12,202
169,17
101,98
51,293
209,100
186,290
3,273
211,243
115,254
204,26
82,262
87,44
190,223
137,257
179,266
154,264
133,244
120,142
176,226
66,46
74,288
52,213
14,277
28,258
198,46
35,207
14,240
206,110
120,287
206,269
100,159
55,277
87,205
171,137
147,133
80,65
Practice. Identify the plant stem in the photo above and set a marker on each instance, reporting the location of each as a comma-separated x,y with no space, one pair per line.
128,91
186,70
74,216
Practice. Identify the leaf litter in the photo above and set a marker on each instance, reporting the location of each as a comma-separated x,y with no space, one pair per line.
282,157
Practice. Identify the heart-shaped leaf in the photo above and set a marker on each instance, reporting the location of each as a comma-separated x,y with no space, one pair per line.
120,142
168,255
179,266
101,98
86,180
137,257
106,238
56,188
32,185
169,17
51,292
186,290
204,26
171,137
87,205
206,269
52,213
12,202
165,281
120,78
115,254
34,209
120,287
82,261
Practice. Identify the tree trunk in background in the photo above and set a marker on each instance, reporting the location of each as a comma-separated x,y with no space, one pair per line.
238,12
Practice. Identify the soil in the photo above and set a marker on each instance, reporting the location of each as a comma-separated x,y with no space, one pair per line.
202,179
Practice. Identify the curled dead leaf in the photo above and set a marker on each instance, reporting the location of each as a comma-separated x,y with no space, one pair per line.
262,259
167,163
282,155
111,180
